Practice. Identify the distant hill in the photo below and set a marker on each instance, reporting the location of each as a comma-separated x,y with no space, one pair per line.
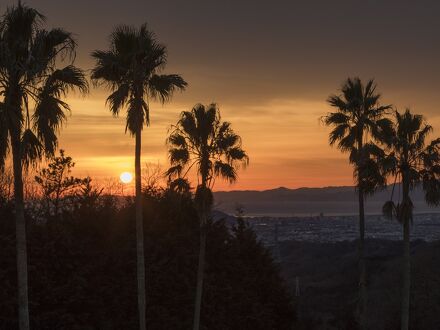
308,201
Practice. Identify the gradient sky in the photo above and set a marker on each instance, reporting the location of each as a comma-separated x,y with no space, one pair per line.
270,65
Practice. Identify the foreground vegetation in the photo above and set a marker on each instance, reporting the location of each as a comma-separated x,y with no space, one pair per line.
82,268
328,280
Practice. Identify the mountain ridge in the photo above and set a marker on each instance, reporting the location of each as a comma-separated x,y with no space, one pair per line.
331,200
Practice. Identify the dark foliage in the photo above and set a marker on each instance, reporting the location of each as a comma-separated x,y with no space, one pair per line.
328,282
82,270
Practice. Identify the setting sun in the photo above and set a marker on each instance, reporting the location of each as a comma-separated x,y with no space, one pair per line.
126,177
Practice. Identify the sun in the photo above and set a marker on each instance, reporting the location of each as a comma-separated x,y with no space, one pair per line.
126,177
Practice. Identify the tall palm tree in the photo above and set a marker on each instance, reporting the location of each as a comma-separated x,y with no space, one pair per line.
412,162
131,69
202,141
357,122
32,109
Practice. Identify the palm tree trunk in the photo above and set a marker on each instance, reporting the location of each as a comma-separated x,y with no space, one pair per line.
362,302
406,276
20,225
140,236
200,271
406,285
362,269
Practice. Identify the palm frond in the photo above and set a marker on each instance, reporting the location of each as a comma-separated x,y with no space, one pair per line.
47,47
237,154
336,118
19,25
163,86
347,143
117,100
371,149
124,40
369,176
180,185
337,102
137,115
174,171
31,148
431,188
177,140
61,81
382,130
420,136
48,117
179,156
109,69
205,119
389,164
228,140
338,133
188,124
225,171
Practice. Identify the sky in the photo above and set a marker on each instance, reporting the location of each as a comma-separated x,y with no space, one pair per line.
269,65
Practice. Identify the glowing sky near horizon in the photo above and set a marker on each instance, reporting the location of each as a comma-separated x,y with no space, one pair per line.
269,65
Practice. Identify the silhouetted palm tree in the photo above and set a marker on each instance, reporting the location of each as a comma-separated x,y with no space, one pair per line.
29,77
413,162
357,123
202,141
131,70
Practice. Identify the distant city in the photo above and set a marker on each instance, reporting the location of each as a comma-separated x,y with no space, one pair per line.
324,214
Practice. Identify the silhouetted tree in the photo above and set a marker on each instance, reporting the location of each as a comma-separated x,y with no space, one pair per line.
56,182
6,184
201,140
29,76
412,161
357,122
131,70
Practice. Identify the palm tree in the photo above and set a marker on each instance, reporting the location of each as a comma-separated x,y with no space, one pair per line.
131,70
413,162
202,141
357,122
32,109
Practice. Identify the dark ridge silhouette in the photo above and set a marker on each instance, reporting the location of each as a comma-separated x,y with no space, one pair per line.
311,201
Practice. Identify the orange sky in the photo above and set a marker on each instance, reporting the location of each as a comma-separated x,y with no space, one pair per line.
287,147
270,68
284,138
